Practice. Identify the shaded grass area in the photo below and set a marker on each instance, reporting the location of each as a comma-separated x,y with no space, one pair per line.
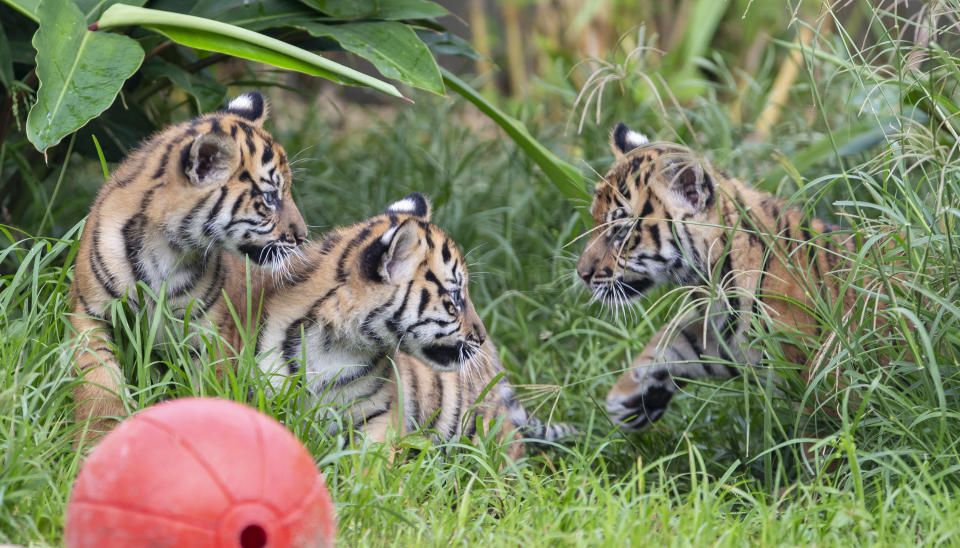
724,466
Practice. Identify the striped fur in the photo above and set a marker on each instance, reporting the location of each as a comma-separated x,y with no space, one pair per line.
661,216
181,210
384,299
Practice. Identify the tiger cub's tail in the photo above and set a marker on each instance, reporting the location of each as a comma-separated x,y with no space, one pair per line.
537,430
532,428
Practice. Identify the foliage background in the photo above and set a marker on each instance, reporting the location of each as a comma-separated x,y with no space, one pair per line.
861,130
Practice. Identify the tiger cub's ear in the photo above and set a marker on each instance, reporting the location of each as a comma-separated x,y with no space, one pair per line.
402,251
415,204
624,139
250,105
691,182
212,158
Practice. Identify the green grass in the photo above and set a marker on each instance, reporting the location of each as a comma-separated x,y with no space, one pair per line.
724,466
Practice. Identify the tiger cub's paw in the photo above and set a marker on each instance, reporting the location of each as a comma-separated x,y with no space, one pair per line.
640,396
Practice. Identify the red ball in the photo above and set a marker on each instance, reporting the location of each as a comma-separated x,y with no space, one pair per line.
199,472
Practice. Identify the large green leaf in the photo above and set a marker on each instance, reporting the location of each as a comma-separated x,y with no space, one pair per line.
253,14
392,47
446,43
80,72
26,7
378,9
207,93
564,176
206,34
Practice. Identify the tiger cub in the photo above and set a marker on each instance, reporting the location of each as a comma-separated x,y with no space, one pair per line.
383,299
663,216
182,210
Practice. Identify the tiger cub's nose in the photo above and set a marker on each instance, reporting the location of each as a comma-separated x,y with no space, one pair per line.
586,272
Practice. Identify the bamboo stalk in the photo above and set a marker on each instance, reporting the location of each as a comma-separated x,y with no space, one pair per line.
751,60
477,14
781,86
513,42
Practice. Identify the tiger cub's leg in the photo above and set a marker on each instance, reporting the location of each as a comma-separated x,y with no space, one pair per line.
97,397
640,396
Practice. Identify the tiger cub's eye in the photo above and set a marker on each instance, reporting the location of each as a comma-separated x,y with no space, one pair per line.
271,198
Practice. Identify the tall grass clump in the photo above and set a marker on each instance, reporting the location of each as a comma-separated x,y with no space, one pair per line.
899,353
878,156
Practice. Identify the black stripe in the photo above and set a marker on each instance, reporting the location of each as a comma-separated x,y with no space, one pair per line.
424,300
692,341
673,232
655,235
366,326
455,418
342,273
326,329
293,343
371,258
252,221
215,211
414,400
237,203
164,158
133,234
690,248
87,310
431,277
708,184
471,426
128,176
647,208
184,230
732,321
211,295
319,302
148,197
103,277
185,158
374,415
445,252
302,273
376,388
755,308
425,227
329,241
356,372
438,388
425,321
394,322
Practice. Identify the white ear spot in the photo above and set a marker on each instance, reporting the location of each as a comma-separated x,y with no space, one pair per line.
412,204
625,139
241,103
635,139
405,205
250,105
